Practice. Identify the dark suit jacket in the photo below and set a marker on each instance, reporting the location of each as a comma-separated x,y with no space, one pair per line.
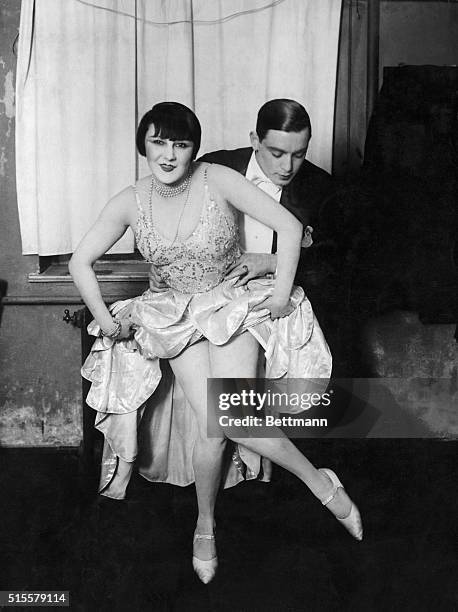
305,197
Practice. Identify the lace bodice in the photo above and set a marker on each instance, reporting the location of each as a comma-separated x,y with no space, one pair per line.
198,263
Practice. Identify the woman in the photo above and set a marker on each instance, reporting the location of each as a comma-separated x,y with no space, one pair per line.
184,219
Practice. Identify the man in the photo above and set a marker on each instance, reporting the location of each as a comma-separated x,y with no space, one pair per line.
276,163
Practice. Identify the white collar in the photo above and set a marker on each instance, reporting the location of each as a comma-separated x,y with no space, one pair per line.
255,174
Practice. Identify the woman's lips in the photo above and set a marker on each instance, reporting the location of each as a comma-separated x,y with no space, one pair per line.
167,168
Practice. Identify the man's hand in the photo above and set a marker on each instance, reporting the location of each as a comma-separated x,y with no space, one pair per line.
156,284
252,265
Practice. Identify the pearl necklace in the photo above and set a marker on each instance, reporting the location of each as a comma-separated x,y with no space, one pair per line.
154,186
170,191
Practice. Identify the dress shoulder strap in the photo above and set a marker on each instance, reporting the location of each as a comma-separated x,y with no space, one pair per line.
206,185
206,177
137,199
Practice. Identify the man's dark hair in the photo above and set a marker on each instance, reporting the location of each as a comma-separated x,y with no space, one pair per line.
172,121
284,115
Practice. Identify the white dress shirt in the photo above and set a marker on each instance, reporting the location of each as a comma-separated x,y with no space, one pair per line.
254,236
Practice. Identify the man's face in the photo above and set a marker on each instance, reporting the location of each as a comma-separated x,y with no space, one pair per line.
280,154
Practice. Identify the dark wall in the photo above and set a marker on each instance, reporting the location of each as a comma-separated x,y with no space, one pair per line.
418,33
410,33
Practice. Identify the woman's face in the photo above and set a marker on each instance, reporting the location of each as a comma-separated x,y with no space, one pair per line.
169,160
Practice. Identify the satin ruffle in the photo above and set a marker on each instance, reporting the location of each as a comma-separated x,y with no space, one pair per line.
126,373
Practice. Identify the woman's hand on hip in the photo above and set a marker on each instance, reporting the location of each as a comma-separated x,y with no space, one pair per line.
277,308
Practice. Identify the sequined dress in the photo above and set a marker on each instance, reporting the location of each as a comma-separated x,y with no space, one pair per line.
200,303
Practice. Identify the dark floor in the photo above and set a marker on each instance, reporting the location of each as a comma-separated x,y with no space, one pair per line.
279,549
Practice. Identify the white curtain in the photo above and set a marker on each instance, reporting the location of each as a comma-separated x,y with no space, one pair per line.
75,116
86,73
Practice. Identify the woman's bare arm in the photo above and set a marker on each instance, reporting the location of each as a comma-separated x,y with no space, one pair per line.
113,221
254,202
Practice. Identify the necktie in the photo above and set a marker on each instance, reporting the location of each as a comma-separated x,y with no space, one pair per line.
266,185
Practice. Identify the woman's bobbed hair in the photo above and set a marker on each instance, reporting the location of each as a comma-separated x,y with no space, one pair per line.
172,121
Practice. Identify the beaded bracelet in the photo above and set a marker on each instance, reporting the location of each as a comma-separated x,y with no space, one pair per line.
114,332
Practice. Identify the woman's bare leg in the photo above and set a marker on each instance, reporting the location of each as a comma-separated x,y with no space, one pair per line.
237,359
192,368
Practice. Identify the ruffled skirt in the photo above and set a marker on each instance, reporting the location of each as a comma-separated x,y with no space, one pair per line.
126,375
